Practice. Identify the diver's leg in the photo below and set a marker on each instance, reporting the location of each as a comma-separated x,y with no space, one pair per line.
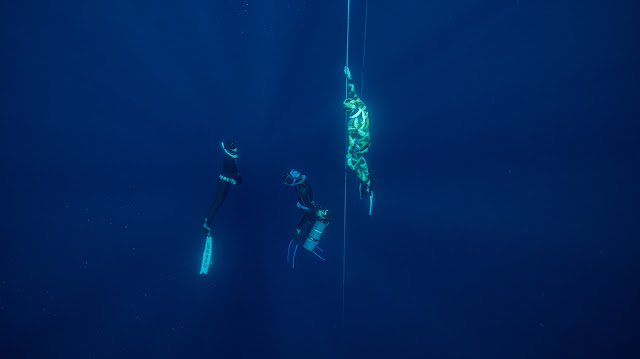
358,165
304,219
362,170
221,194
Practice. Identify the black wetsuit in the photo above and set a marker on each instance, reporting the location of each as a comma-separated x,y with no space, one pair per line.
305,199
228,176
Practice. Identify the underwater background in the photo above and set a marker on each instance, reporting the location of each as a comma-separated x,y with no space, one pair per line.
504,151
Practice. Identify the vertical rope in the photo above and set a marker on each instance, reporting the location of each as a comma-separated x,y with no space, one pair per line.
344,224
364,46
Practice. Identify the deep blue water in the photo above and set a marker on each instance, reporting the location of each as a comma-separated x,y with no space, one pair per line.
504,148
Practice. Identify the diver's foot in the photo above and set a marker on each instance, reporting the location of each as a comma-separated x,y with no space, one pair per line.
365,191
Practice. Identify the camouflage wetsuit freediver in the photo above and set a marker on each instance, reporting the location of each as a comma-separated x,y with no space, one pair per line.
359,139
313,219
230,175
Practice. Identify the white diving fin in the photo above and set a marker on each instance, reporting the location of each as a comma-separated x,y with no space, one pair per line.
206,255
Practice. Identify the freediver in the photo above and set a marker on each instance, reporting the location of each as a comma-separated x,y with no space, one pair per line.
229,176
359,138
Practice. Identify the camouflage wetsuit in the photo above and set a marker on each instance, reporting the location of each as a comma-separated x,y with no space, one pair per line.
358,132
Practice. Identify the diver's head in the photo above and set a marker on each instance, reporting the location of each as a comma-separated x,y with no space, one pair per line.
293,178
230,148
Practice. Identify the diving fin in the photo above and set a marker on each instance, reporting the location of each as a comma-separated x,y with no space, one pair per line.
206,255
370,202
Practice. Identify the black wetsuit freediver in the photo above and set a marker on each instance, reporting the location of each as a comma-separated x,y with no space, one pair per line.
230,175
